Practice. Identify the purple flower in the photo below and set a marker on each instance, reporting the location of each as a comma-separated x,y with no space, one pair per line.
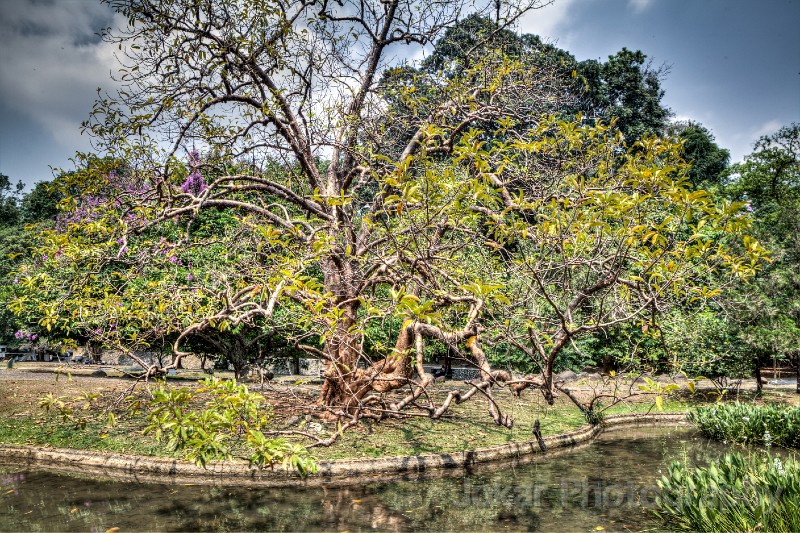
194,183
173,259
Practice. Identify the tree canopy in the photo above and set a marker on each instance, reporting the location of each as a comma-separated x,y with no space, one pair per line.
769,181
461,206
9,202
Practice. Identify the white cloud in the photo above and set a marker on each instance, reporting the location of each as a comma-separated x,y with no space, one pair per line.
53,62
771,126
547,21
639,6
742,141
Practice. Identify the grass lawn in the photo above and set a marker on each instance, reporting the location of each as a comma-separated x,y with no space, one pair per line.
466,426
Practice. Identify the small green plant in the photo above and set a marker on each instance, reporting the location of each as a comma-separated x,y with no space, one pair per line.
222,420
764,425
594,415
78,411
737,493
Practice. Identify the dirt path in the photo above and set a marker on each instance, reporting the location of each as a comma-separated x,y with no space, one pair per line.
20,390
22,387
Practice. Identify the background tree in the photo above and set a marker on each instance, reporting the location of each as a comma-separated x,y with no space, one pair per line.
9,202
41,203
148,289
709,162
769,309
628,89
16,243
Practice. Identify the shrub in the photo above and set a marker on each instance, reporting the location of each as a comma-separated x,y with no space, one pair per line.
750,424
738,493
222,420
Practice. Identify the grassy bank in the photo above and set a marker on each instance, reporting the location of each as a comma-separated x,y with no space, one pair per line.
49,431
467,426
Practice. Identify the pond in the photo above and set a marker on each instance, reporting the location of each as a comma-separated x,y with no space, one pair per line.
609,483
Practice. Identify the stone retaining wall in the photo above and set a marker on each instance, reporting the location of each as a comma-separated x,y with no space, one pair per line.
335,472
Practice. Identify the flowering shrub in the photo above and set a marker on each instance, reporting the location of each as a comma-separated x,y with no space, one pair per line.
25,335
194,183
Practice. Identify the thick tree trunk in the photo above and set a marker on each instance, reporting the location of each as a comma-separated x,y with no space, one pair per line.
342,346
758,376
345,384
797,372
238,358
94,350
342,350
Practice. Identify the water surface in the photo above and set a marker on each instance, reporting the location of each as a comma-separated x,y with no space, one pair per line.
610,483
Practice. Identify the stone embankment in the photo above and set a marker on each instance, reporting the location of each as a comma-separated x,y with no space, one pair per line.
334,472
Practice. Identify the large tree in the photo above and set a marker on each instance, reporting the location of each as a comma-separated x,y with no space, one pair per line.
460,237
296,82
628,88
709,161
9,202
769,181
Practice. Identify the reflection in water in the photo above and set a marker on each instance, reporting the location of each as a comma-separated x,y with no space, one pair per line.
610,483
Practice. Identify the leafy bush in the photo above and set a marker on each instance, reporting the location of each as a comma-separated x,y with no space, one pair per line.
750,424
624,346
706,344
222,420
738,493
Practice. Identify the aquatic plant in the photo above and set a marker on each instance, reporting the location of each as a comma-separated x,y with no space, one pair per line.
764,425
737,493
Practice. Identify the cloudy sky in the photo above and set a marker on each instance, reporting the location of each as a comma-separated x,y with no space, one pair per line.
735,66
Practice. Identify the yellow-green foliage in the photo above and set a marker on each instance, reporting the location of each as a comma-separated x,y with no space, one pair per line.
222,420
